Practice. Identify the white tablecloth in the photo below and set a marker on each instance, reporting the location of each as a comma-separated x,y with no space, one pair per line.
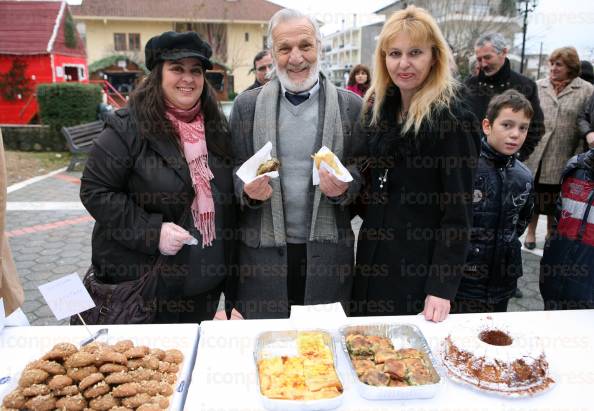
224,376
20,345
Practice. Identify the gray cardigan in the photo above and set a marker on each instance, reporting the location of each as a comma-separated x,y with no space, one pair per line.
261,282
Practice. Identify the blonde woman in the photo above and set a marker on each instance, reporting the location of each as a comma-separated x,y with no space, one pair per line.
423,149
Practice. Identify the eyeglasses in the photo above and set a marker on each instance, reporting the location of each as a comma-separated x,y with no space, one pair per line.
265,67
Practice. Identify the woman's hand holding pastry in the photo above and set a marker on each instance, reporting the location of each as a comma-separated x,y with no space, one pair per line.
172,238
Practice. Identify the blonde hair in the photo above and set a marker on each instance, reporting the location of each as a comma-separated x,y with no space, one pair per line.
438,88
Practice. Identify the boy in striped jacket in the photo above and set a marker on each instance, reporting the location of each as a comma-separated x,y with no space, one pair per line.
567,266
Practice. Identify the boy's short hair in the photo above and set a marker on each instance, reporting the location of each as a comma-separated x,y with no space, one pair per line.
508,99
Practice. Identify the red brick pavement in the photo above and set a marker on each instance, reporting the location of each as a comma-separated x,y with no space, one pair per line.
68,178
50,226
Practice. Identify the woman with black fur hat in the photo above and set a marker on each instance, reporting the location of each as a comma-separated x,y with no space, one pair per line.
159,184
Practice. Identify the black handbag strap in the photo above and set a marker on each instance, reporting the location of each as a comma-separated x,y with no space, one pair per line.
103,294
154,270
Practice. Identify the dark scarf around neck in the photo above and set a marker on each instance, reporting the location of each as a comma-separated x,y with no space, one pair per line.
501,75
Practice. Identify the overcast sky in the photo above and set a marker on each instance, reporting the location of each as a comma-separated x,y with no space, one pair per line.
555,23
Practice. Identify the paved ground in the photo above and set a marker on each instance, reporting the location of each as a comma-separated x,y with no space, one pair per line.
50,236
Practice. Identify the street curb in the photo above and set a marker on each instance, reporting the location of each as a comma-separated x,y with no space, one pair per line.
33,180
44,206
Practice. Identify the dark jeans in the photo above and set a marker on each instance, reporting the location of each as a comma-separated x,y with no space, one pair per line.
189,309
567,274
296,273
478,306
569,292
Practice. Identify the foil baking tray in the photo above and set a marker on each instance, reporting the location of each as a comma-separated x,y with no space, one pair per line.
279,343
401,336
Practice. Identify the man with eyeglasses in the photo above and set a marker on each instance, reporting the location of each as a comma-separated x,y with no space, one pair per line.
262,66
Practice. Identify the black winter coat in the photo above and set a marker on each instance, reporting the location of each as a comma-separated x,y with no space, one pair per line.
503,201
254,85
132,185
585,120
481,88
416,227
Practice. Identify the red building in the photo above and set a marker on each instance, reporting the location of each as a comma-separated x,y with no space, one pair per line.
39,43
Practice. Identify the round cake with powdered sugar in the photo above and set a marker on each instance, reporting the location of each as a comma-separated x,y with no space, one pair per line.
497,358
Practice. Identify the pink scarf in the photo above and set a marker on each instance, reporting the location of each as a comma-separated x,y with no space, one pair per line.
190,128
559,85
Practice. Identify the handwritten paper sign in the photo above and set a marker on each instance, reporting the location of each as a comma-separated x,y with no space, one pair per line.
66,296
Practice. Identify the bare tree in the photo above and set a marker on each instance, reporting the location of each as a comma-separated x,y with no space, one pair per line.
588,54
238,57
463,21
214,34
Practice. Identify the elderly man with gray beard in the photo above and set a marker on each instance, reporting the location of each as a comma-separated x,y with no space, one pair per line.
296,239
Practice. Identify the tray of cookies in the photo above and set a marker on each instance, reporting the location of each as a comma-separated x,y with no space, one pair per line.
391,361
296,370
102,375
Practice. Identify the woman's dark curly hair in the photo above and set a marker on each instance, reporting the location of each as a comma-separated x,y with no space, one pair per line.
147,104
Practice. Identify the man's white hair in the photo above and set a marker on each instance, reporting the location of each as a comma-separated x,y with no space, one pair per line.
282,16
496,40
290,14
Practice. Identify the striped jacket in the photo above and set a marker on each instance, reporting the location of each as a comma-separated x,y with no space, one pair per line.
575,216
567,266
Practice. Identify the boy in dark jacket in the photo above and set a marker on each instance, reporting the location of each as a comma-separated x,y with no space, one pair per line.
567,266
502,206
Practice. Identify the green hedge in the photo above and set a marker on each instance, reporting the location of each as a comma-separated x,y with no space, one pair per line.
32,138
67,104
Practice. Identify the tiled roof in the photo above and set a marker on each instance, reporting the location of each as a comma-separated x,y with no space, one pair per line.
182,10
34,27
27,26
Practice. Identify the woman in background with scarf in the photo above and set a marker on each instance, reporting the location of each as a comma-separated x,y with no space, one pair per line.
159,184
563,96
359,80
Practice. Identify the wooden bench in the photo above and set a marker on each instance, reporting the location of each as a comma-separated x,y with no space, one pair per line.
80,140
